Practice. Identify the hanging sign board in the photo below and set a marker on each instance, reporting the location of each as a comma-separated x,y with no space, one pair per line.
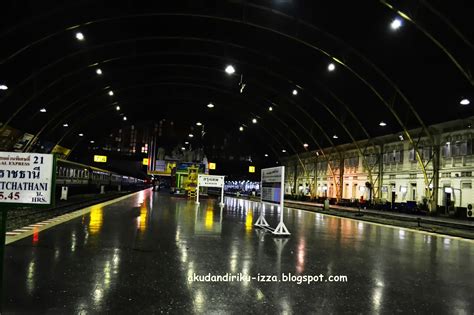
211,181
26,178
100,158
272,184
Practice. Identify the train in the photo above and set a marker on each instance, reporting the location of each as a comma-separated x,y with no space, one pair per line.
80,178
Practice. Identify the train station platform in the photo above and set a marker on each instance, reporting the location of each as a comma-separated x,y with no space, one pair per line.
151,253
440,224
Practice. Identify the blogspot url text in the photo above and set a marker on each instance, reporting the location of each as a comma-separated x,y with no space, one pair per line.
283,277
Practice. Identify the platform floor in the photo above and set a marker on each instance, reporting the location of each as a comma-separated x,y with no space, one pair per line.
140,256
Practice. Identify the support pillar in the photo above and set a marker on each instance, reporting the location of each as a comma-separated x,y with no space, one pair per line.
380,183
295,179
341,178
315,189
434,194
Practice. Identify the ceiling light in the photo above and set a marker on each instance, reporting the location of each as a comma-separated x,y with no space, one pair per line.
284,151
266,155
254,120
306,145
295,92
465,102
117,108
79,36
270,109
3,87
331,67
81,135
335,137
382,124
43,110
124,118
396,24
241,128
191,135
198,124
98,71
65,125
186,142
230,70
210,105
92,141
401,137
111,93
183,148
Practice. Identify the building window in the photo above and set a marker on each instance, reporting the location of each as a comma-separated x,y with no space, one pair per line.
466,185
466,174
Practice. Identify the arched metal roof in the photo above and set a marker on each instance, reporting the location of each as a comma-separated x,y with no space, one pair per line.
167,59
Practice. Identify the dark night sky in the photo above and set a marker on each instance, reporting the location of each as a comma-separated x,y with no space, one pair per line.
166,59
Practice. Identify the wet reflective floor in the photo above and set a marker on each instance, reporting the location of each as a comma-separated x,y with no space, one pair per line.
152,254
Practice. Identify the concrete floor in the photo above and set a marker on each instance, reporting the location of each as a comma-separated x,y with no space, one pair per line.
140,255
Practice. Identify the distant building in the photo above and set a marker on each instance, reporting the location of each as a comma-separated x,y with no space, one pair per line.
390,170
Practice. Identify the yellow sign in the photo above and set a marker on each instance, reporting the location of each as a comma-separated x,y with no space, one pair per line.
145,161
212,166
251,169
61,152
100,158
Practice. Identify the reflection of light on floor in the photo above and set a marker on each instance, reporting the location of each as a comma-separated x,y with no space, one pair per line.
260,295
141,198
377,298
107,274
35,236
360,226
286,308
190,274
209,219
401,234
249,221
96,219
300,254
73,241
143,218
447,242
30,279
233,258
246,271
116,260
98,295
199,301
184,256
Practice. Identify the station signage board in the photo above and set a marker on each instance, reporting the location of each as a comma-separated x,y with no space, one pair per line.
145,161
251,169
272,184
26,178
210,181
212,166
100,158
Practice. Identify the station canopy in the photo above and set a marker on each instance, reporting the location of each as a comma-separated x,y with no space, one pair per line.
283,76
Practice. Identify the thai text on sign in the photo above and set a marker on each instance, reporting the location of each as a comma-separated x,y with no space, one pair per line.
26,178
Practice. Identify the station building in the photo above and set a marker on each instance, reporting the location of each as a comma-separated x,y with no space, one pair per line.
389,169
